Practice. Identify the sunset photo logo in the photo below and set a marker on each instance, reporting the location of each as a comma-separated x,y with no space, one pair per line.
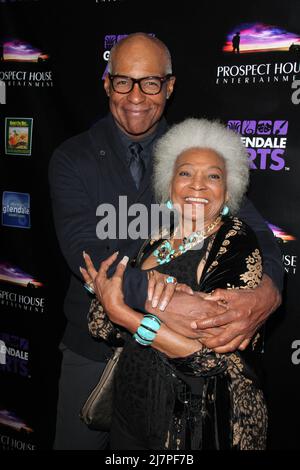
16,50
14,275
259,37
11,420
281,234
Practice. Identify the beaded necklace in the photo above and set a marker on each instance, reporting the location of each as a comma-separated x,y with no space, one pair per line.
165,253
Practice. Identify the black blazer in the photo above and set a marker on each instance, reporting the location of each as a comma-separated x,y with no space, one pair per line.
85,171
88,170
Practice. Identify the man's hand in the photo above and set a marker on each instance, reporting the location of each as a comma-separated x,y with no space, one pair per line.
183,309
247,311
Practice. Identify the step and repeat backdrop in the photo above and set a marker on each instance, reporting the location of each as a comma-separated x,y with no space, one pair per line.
237,61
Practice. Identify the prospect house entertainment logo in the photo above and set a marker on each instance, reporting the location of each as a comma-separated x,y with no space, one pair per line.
258,54
23,65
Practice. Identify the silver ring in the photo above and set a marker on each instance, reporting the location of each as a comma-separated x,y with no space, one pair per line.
171,280
89,288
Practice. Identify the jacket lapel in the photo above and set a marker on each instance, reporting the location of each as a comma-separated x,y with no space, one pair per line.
111,155
109,149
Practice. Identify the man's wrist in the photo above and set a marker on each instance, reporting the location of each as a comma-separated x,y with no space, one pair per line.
268,291
161,314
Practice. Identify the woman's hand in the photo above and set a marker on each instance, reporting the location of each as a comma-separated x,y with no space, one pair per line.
108,290
160,292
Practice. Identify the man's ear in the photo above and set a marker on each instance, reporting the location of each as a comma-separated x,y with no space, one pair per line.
107,85
170,86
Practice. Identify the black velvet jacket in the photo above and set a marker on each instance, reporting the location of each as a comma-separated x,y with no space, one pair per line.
206,400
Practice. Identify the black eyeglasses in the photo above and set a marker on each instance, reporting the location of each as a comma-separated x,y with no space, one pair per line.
148,85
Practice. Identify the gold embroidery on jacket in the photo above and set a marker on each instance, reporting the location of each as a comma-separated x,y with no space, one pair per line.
253,274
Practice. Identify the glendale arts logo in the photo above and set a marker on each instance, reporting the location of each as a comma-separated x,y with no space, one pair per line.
14,355
266,142
109,41
16,210
31,65
256,53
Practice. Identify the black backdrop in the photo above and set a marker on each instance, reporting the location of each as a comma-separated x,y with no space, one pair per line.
68,100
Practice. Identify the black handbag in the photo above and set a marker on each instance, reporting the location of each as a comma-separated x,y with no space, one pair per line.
96,413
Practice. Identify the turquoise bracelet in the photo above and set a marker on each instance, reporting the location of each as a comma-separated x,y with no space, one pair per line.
146,334
151,322
147,330
140,340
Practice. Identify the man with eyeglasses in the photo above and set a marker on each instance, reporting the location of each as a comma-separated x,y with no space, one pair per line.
113,158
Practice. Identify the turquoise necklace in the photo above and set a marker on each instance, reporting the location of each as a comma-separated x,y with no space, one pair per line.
165,253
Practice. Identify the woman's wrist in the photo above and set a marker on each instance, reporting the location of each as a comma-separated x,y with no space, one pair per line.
126,317
177,346
113,306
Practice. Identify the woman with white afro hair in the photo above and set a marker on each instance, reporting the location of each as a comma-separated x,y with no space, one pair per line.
171,391
202,133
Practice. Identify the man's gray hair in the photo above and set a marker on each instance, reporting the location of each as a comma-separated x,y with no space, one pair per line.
202,133
146,36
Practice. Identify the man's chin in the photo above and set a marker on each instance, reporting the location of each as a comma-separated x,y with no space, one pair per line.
138,129
137,132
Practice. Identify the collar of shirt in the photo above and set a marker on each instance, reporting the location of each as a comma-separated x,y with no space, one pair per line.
146,143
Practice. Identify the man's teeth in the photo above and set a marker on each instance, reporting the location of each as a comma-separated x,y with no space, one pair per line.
196,199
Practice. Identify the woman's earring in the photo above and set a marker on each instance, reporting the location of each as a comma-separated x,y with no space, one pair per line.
169,204
225,210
